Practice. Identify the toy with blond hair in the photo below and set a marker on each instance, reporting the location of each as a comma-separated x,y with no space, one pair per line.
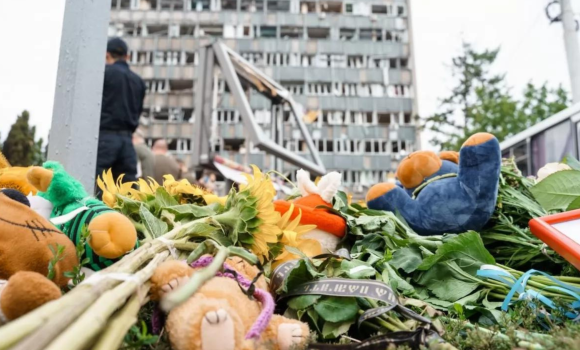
220,316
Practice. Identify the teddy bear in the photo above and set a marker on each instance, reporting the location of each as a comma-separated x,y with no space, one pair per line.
111,233
14,177
220,316
25,254
422,166
330,228
452,204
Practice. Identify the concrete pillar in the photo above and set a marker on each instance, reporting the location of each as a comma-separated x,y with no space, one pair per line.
74,133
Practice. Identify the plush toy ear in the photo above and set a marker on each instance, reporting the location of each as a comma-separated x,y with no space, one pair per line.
40,178
451,156
416,167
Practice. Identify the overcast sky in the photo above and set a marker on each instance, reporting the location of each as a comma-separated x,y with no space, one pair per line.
531,49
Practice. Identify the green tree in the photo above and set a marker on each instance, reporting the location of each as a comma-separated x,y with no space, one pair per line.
482,102
20,146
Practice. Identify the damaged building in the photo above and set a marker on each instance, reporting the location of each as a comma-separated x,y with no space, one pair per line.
348,65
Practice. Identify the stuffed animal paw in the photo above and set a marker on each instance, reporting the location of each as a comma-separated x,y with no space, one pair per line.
220,316
111,234
448,205
24,292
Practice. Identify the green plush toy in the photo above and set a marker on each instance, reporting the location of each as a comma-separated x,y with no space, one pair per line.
111,234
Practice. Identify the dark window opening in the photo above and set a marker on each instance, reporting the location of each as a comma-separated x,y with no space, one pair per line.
389,36
331,6
384,118
347,33
404,62
400,10
379,9
213,30
185,30
278,5
229,5
329,146
348,8
407,118
395,146
291,32
318,33
393,63
268,32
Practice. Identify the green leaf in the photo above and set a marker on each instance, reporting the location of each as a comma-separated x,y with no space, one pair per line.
466,250
407,259
164,199
190,210
571,162
314,318
471,299
357,269
129,206
392,278
558,190
446,283
574,205
332,330
156,227
298,275
303,301
248,213
337,309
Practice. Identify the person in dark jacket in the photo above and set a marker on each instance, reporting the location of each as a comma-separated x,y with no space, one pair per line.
123,95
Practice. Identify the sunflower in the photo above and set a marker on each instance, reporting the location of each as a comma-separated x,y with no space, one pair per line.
184,188
292,233
251,216
111,188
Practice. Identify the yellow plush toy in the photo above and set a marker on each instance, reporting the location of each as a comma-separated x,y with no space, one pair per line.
14,177
219,316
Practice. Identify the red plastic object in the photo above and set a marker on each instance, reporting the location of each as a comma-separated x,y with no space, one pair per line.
555,239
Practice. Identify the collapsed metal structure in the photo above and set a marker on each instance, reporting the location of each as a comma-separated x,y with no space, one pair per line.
238,73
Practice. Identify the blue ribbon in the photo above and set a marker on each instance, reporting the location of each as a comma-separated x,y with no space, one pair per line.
519,286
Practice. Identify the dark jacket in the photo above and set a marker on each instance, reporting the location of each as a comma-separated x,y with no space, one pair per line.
123,95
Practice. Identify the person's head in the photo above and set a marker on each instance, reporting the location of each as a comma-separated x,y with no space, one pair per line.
117,50
138,137
160,147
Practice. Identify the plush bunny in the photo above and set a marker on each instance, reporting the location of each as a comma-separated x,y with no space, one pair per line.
219,316
453,204
330,228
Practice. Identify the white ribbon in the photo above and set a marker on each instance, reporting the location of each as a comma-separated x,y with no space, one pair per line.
170,245
63,219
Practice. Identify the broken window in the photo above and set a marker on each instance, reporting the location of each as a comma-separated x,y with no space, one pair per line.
268,32
393,63
384,118
291,32
331,6
382,9
348,8
202,5
212,30
307,6
278,5
407,118
229,5
374,34
404,62
318,33
347,33
176,5
186,30
400,10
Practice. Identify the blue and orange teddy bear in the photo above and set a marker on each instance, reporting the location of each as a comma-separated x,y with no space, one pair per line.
448,193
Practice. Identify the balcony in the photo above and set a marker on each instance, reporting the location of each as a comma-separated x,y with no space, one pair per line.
257,18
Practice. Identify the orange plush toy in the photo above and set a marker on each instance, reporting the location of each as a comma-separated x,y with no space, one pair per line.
25,241
219,316
330,228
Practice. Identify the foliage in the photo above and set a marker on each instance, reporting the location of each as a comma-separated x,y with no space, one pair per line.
57,255
20,146
482,102
139,338
77,275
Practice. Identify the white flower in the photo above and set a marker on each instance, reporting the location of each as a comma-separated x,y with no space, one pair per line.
551,168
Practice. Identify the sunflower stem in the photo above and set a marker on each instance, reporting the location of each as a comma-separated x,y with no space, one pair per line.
230,218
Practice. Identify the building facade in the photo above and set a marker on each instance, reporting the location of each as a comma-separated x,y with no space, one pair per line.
348,63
